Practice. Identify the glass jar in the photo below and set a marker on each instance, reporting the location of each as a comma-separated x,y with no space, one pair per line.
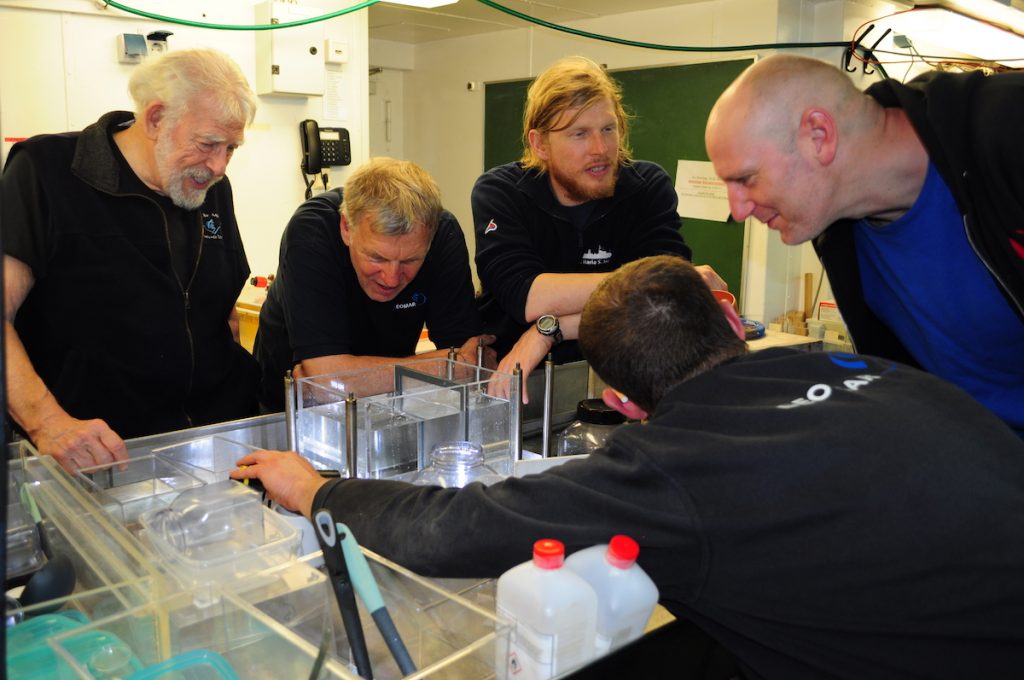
595,422
456,464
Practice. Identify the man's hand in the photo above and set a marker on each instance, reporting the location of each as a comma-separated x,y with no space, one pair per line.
287,477
467,353
528,352
77,444
714,281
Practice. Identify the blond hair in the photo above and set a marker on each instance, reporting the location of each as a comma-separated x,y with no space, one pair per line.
398,195
570,83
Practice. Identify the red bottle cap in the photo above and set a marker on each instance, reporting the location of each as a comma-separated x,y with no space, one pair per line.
548,553
622,551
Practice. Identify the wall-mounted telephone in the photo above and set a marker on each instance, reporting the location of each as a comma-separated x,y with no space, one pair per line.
323,147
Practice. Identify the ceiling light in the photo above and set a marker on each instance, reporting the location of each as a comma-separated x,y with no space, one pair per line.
966,35
425,4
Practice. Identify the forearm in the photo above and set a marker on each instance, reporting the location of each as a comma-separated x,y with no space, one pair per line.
560,294
337,363
29,401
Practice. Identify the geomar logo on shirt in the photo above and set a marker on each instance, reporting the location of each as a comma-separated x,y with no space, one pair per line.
417,300
821,392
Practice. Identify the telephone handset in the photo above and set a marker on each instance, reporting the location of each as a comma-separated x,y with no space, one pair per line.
323,147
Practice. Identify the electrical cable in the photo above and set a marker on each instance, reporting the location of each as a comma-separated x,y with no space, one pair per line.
869,58
852,44
233,27
655,46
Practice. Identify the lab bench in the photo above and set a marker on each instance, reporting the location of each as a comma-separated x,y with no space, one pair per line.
140,609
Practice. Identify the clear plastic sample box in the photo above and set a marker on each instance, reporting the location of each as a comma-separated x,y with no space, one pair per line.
446,635
175,637
402,412
219,534
130,488
208,458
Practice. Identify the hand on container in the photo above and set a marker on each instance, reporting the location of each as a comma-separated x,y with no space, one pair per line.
287,477
528,352
77,444
711,277
467,353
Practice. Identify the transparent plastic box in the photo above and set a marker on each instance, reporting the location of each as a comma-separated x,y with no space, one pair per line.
208,458
24,552
218,534
29,653
402,412
174,637
130,488
447,635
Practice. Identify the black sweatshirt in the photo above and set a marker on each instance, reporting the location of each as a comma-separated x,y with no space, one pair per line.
819,514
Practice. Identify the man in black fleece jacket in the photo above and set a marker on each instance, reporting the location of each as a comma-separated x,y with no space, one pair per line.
818,514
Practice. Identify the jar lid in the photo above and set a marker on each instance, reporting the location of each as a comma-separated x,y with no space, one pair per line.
597,412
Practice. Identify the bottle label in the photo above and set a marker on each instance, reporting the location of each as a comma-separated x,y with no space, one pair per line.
531,655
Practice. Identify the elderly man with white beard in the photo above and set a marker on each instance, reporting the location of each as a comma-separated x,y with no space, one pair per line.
122,265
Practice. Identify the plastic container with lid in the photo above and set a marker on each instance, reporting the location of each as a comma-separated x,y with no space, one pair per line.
218,535
594,423
555,615
626,595
456,464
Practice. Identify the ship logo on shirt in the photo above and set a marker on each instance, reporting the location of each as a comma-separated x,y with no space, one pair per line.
212,226
594,258
491,226
418,300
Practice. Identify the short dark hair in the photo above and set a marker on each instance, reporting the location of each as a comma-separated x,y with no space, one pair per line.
653,324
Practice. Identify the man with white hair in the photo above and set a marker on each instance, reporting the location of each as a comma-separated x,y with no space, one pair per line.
122,265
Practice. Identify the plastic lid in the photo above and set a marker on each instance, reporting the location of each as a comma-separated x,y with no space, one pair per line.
595,411
548,553
622,551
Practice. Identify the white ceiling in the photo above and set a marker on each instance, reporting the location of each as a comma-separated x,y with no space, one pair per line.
411,25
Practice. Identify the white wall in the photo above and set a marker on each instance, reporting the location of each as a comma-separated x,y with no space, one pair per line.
59,71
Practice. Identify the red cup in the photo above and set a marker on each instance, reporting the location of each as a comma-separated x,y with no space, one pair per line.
725,296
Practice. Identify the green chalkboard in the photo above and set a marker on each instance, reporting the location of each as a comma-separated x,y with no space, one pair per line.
669,107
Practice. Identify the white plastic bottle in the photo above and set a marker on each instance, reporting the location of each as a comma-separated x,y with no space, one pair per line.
626,595
554,612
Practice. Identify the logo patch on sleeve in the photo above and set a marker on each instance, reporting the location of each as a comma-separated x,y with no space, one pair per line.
491,226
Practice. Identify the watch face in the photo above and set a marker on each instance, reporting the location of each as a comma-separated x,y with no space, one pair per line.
547,324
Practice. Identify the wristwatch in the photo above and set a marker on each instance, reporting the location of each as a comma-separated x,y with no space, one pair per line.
548,325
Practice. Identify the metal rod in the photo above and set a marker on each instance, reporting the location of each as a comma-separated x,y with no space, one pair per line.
453,356
479,358
350,435
549,383
516,402
289,411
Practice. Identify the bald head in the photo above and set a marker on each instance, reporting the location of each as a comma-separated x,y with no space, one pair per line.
782,137
769,98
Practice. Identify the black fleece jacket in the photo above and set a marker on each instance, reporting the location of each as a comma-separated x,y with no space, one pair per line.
110,327
821,515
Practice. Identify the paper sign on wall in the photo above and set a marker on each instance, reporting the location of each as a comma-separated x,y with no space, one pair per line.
701,194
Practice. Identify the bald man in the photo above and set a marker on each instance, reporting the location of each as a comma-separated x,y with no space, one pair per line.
913,196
